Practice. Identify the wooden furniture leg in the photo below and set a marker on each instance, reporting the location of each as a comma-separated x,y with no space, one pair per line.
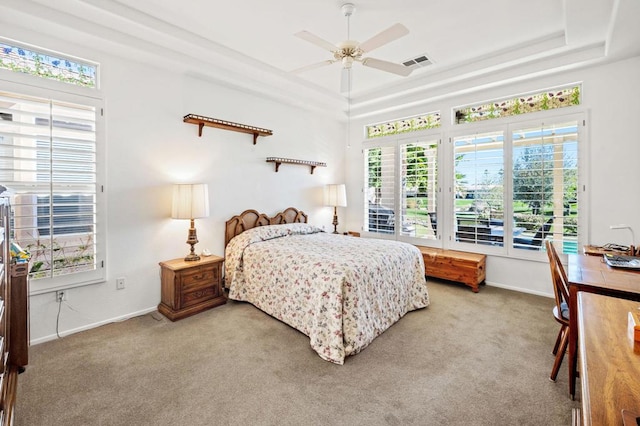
573,339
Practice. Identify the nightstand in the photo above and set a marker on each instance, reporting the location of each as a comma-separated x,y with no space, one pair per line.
189,288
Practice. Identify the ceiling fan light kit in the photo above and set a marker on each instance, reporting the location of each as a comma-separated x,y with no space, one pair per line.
349,51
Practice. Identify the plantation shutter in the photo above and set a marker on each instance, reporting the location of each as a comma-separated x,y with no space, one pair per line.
479,188
380,189
419,189
48,161
545,180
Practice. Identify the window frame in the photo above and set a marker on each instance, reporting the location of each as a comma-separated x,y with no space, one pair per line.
49,89
508,125
396,141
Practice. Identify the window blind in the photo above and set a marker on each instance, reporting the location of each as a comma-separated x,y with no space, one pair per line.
479,188
49,163
419,176
545,185
380,189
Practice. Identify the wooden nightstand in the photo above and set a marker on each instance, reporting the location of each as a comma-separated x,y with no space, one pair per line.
189,288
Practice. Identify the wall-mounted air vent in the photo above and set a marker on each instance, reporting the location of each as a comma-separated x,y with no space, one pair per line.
420,61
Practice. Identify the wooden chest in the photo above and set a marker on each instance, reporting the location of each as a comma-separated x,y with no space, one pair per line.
452,265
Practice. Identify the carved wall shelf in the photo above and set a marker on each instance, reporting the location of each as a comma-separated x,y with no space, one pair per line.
202,121
278,161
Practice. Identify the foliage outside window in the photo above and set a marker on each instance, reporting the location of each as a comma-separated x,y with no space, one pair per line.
544,179
46,65
479,188
414,206
545,183
404,125
541,101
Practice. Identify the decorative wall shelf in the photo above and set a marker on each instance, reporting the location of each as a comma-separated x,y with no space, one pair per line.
278,161
202,121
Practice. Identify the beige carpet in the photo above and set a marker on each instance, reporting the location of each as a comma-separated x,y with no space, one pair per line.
468,359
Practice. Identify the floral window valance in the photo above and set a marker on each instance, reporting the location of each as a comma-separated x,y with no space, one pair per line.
45,65
522,104
404,125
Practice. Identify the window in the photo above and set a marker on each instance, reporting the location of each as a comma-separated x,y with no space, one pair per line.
538,194
479,187
48,158
545,185
404,125
402,188
539,101
511,182
47,65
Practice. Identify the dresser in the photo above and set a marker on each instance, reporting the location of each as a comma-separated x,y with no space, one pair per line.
190,287
13,318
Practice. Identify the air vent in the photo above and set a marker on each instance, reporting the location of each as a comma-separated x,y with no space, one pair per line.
420,61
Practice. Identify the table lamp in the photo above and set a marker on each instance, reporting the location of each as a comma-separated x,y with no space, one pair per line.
190,201
335,195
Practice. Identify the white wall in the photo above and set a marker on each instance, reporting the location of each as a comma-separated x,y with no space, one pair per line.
610,99
149,148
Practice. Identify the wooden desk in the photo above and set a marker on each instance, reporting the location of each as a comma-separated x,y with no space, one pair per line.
590,274
609,367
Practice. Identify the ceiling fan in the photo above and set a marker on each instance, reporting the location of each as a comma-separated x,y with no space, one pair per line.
350,51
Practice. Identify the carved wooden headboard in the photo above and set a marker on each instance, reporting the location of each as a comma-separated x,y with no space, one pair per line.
251,218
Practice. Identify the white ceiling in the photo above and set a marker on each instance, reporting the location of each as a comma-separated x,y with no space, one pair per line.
250,44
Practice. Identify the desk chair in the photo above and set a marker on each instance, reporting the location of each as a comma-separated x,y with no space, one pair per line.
561,309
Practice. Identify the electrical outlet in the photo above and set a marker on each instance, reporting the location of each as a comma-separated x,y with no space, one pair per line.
120,283
60,296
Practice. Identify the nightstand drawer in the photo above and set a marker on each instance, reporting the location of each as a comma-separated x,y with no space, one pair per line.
199,277
200,295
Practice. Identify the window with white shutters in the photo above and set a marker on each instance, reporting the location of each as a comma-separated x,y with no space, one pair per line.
479,188
402,188
48,154
419,179
517,186
545,185
380,189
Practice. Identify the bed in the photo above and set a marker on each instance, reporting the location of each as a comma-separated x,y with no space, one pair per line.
340,291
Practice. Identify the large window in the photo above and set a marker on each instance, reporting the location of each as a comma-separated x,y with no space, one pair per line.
517,186
49,162
402,188
479,188
545,185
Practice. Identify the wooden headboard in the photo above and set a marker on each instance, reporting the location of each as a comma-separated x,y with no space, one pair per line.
251,218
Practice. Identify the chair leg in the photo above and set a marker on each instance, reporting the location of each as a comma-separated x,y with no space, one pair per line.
561,350
555,347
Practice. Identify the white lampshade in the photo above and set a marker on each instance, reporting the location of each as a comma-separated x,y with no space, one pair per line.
335,195
190,201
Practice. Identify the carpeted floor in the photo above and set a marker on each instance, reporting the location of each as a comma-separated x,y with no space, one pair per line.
468,359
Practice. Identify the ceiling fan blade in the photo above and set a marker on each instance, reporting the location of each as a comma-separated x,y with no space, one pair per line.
312,38
387,36
345,80
387,66
312,66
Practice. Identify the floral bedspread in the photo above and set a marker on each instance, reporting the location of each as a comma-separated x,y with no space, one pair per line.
340,291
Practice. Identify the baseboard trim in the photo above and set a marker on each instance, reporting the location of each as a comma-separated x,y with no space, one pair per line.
93,325
520,289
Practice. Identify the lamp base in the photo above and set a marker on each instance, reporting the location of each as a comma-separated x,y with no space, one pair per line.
191,257
335,220
192,240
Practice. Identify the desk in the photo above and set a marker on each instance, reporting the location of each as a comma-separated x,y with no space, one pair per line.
590,274
609,367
